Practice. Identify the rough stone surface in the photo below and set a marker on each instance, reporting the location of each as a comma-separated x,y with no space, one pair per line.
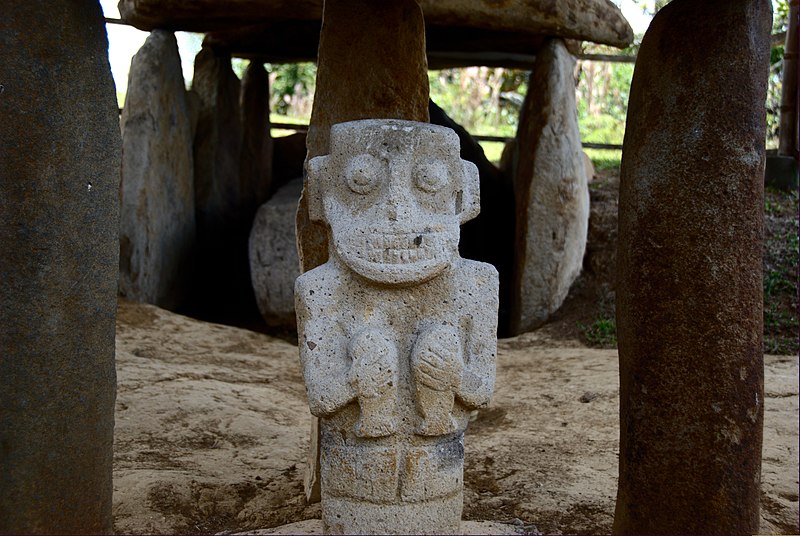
689,282
592,20
157,229
217,143
314,526
59,221
274,264
396,331
221,287
392,76
256,157
551,192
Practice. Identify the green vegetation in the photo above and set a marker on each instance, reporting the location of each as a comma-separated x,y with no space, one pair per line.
602,333
781,256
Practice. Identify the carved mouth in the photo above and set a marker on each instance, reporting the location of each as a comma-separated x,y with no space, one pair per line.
397,257
406,248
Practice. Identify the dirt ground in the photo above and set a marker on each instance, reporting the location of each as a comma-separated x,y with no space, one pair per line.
212,430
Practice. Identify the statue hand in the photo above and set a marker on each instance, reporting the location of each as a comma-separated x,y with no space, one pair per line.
437,360
374,368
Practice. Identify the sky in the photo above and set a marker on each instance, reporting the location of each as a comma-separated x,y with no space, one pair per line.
124,41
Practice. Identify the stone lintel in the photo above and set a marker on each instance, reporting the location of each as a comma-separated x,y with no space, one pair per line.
598,21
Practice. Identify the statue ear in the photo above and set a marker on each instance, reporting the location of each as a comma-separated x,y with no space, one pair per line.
316,171
470,203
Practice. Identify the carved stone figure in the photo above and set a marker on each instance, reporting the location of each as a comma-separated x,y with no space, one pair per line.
397,332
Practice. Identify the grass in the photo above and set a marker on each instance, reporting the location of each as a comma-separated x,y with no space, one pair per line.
602,333
781,255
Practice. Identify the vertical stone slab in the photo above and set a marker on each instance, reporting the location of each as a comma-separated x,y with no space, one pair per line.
217,143
371,64
256,159
221,288
157,220
59,184
551,191
689,282
396,331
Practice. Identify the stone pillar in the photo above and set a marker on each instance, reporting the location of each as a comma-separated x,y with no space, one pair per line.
221,288
59,187
157,227
396,331
371,64
218,141
689,282
551,191
256,158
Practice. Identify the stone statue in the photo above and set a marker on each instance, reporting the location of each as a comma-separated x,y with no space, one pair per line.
396,331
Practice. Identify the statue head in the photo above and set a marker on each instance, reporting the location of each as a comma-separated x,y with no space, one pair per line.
394,194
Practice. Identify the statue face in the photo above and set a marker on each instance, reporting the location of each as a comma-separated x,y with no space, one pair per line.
393,193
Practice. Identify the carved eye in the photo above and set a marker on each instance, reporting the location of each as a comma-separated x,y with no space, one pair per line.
363,173
431,176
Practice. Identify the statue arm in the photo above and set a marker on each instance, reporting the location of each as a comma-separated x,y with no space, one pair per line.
323,350
480,350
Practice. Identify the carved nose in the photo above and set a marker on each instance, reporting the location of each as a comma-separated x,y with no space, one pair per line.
398,209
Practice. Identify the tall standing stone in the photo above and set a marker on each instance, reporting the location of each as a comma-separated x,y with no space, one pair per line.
256,157
689,287
218,141
221,287
371,64
551,191
59,183
157,220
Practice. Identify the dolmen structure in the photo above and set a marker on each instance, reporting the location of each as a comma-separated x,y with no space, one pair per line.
391,390
534,219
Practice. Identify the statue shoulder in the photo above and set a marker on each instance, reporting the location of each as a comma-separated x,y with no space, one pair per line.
478,273
317,283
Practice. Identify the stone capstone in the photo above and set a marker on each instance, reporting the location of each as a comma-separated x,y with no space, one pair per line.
598,21
397,333
689,283
157,220
274,264
551,192
59,230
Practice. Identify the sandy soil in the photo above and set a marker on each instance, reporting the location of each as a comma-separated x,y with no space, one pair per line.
212,428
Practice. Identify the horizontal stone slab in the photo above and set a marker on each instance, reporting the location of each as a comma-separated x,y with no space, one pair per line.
599,21
446,47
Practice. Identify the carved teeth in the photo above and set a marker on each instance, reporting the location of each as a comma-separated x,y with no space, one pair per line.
398,248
